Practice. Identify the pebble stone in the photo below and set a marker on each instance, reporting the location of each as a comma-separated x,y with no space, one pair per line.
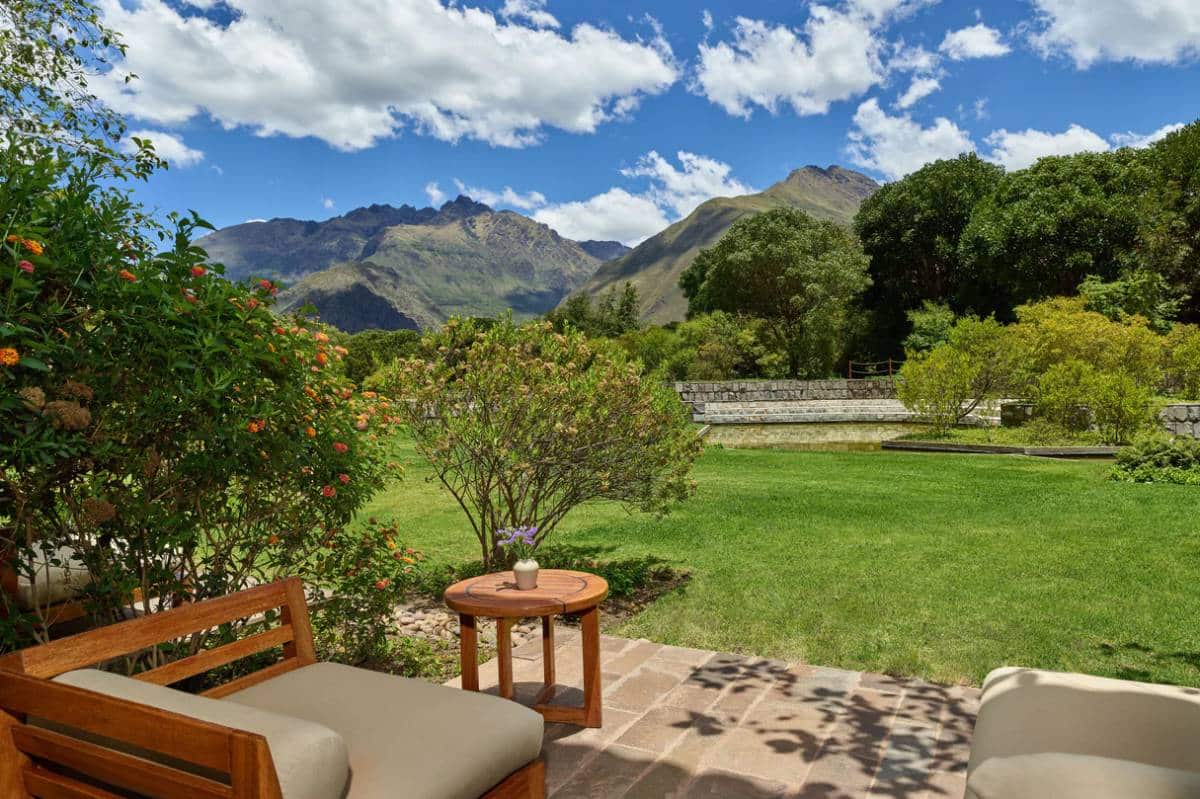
425,619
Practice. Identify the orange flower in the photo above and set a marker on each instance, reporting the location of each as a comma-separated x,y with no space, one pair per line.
328,492
344,478
252,303
265,285
311,432
273,540
322,358
198,271
339,447
381,585
33,246
125,274
254,427
9,356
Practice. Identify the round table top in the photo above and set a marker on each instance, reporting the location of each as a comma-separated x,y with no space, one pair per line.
497,596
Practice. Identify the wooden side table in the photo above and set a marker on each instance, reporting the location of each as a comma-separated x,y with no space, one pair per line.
495,596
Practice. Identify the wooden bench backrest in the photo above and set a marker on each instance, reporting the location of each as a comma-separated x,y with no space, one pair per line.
33,759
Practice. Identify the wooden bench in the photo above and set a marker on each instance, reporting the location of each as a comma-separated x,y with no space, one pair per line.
38,761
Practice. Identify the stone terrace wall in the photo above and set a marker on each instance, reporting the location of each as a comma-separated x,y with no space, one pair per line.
696,394
1182,419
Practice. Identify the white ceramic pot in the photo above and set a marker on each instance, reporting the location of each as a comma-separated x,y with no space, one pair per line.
526,572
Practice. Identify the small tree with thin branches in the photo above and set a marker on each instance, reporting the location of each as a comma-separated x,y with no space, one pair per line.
521,424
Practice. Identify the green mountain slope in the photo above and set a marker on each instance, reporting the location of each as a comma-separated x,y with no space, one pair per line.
655,265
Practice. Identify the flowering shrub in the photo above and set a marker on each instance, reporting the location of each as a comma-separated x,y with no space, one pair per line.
522,424
360,577
159,421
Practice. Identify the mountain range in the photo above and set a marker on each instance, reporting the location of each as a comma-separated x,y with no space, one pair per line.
413,268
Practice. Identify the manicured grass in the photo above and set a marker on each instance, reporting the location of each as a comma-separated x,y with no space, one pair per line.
937,566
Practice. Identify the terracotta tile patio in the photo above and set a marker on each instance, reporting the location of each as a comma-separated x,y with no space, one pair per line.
689,723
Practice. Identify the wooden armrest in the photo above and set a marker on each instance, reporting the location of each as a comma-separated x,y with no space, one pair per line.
187,757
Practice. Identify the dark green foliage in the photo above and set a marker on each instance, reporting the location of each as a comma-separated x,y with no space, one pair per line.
1171,214
1159,459
797,274
369,350
617,312
930,326
1046,228
911,230
1139,292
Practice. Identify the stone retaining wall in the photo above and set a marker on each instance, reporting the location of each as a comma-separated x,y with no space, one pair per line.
696,394
1182,419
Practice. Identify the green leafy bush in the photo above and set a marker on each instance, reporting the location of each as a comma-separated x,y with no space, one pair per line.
1183,360
938,385
360,577
522,423
1063,395
368,351
1159,459
930,325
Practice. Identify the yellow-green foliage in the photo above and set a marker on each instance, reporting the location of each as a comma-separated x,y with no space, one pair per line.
1059,330
1183,360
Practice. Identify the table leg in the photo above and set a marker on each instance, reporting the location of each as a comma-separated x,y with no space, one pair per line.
548,649
468,651
504,654
591,667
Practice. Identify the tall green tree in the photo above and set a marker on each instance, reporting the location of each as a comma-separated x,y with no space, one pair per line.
1170,235
911,230
799,275
1046,228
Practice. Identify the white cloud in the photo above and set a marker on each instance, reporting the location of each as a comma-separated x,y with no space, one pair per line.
352,72
977,41
913,58
167,146
620,215
897,145
327,203
837,56
1148,31
1138,140
252,221
681,190
918,90
507,196
434,193
534,11
615,215
1019,149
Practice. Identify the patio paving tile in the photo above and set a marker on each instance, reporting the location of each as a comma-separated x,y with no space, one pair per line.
682,723
781,755
642,689
658,730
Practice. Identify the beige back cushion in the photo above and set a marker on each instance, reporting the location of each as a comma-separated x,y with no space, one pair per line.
311,760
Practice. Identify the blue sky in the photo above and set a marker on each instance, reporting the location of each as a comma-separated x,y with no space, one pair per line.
611,120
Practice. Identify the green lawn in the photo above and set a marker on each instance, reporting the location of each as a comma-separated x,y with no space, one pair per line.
937,566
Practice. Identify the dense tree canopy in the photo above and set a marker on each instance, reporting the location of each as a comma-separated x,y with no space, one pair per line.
911,230
1046,228
797,274
1171,215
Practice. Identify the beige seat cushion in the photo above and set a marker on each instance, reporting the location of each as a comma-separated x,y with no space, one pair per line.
1052,723
1060,776
310,759
407,737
